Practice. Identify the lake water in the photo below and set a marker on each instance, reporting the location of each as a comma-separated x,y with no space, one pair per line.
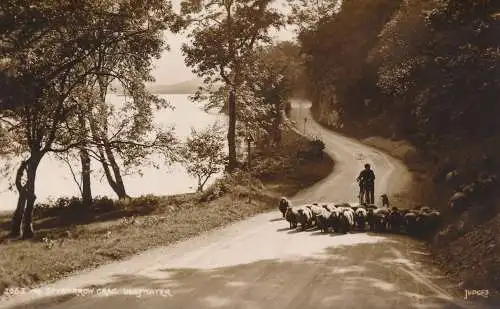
55,180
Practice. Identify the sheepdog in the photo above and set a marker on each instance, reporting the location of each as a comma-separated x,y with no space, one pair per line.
291,216
385,200
283,205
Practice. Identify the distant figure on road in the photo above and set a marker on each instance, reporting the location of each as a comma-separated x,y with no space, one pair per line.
366,180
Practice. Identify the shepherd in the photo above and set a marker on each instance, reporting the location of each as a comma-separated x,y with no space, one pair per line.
366,181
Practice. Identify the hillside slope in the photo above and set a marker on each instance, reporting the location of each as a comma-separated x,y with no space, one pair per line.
423,73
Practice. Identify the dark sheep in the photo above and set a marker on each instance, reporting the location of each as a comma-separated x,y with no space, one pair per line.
411,223
291,217
375,218
322,220
334,219
283,205
346,220
395,220
380,222
304,217
360,218
427,222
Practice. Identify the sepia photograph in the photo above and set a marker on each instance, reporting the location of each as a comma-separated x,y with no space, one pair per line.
250,154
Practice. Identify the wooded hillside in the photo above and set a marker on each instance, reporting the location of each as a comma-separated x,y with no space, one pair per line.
426,71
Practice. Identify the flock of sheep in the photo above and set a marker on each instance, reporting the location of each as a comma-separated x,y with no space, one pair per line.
347,217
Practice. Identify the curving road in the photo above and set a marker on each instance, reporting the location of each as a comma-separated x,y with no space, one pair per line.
260,264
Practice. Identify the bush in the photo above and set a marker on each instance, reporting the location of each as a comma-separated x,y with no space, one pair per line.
59,207
317,144
228,183
104,204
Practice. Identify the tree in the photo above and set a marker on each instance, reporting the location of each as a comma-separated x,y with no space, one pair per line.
268,86
223,36
204,154
307,14
51,47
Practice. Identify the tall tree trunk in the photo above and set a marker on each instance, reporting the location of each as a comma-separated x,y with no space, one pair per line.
231,132
86,182
107,171
85,160
28,231
122,194
21,202
107,159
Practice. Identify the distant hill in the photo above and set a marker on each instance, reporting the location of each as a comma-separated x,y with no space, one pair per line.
186,87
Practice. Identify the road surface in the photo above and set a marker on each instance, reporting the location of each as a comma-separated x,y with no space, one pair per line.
260,264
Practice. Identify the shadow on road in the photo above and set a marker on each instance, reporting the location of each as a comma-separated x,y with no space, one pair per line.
350,276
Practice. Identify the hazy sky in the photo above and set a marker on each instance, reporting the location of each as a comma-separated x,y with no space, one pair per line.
170,68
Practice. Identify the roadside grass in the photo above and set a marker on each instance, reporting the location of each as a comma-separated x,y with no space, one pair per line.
71,238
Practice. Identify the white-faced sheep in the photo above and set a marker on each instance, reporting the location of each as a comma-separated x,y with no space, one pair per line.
330,207
346,220
283,205
304,217
316,211
360,218
291,217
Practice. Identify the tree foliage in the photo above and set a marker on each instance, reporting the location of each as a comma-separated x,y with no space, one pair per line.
422,70
58,52
204,154
223,35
